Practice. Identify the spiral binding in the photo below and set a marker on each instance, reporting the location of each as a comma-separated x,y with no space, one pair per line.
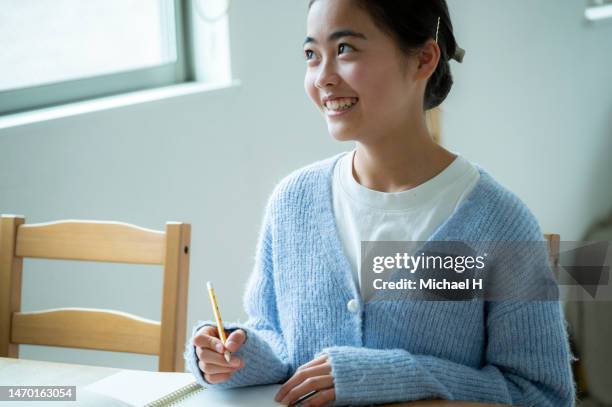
177,396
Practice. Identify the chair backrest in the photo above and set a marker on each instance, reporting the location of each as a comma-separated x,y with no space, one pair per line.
95,328
433,119
553,251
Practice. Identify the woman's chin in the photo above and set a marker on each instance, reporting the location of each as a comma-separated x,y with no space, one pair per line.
342,137
341,134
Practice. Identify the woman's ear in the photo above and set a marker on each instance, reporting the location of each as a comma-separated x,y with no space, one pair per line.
428,58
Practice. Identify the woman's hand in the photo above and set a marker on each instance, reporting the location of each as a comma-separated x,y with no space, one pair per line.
314,375
210,350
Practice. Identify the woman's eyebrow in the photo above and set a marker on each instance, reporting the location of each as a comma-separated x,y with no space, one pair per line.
337,35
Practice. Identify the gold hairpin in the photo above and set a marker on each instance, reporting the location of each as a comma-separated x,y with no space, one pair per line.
437,29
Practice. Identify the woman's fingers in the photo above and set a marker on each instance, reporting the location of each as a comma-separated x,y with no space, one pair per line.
291,388
321,398
321,359
210,357
207,337
235,340
214,368
217,378
210,352
312,383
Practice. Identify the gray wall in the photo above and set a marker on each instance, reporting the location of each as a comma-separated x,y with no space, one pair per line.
532,104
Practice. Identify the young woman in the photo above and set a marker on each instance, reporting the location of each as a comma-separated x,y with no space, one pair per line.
373,68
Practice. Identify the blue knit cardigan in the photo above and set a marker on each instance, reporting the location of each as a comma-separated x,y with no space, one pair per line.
506,352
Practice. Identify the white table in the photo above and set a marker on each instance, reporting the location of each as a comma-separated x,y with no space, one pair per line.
22,372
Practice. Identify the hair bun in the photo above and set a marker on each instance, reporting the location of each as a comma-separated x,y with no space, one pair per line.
459,54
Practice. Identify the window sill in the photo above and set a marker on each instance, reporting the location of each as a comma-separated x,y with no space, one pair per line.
110,102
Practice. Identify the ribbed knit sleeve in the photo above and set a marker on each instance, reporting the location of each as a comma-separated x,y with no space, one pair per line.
527,364
527,356
264,352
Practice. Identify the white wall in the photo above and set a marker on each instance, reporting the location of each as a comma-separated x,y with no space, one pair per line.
532,104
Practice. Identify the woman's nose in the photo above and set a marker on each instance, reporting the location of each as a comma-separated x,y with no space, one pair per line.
327,76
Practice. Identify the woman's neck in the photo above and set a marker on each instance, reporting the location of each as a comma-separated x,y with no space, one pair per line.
400,162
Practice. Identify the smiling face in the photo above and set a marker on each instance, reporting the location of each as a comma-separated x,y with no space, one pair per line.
356,74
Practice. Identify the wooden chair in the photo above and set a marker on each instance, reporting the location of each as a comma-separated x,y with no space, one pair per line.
553,251
95,328
433,119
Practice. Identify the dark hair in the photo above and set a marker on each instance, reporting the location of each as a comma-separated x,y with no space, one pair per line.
411,23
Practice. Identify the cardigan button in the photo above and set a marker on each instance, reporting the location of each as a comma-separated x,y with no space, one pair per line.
353,306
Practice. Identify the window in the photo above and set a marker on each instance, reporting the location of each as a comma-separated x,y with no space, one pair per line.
598,9
57,51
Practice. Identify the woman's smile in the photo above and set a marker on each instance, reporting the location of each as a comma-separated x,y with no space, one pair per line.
339,106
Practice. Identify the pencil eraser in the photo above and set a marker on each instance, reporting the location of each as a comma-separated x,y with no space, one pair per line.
209,285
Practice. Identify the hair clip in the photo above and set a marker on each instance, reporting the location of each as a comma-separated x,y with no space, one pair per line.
459,52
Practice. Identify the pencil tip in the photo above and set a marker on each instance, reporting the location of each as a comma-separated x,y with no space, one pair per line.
209,285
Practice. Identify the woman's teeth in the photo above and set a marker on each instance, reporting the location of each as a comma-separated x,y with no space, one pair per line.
340,104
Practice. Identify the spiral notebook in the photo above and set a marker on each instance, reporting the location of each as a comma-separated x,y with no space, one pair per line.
158,389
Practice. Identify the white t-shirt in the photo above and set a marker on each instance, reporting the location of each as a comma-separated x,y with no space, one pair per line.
363,214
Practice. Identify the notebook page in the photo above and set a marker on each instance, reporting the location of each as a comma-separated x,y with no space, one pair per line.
138,388
260,396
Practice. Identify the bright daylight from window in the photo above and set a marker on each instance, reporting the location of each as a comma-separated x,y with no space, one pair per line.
48,41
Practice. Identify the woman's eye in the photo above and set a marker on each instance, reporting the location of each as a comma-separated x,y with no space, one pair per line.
308,54
343,47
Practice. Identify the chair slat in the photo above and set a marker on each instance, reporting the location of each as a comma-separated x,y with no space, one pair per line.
91,241
88,329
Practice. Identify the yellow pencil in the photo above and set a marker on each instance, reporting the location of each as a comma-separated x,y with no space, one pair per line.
215,307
